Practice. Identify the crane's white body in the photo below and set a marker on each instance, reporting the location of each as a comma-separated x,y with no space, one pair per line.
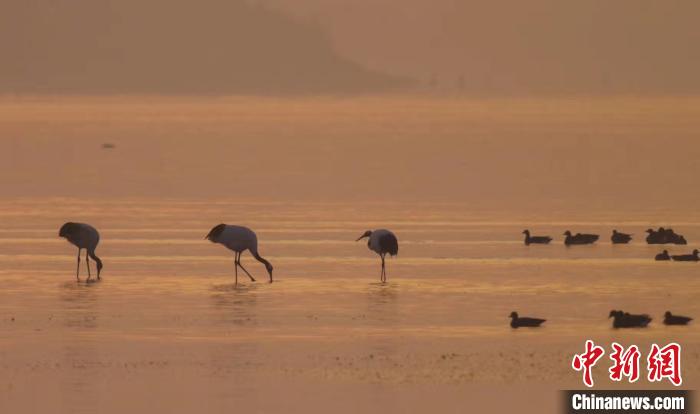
375,238
83,236
239,239
382,242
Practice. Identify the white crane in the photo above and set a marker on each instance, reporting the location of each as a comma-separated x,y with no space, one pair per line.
382,241
238,239
83,236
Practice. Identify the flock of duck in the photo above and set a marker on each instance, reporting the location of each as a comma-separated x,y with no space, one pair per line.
620,319
383,242
660,236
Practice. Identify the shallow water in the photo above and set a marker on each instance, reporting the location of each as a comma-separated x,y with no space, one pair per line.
167,306
166,330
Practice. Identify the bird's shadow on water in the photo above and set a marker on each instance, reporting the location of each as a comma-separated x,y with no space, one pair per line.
79,301
79,308
236,303
383,310
383,301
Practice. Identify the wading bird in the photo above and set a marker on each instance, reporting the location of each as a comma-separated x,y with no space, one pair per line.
381,241
83,236
518,322
693,257
579,238
239,239
670,319
628,320
535,239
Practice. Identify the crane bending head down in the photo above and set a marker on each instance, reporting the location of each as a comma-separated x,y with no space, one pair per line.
83,236
238,239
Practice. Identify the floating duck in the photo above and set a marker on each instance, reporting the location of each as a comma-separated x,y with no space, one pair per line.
579,238
664,236
518,322
693,257
628,320
535,239
670,319
620,238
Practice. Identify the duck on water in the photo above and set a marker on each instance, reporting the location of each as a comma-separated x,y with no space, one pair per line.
620,238
578,238
671,319
535,239
524,322
693,257
664,236
628,320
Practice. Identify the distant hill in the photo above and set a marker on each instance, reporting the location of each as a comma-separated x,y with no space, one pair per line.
157,46
521,47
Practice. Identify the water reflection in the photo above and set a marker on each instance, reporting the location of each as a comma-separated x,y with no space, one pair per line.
79,302
382,305
235,304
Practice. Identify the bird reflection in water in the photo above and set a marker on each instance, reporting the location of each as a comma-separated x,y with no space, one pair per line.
235,303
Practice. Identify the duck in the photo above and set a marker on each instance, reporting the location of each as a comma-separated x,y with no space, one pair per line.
518,322
662,256
671,319
620,238
664,236
579,238
693,257
628,320
672,237
535,239
654,237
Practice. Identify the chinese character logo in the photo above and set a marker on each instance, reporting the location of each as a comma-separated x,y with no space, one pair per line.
587,360
662,363
665,363
625,362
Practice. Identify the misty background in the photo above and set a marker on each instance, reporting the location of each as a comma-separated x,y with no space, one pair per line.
320,46
497,104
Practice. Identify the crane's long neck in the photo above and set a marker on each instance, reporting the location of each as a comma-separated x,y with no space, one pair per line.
261,259
97,260
267,264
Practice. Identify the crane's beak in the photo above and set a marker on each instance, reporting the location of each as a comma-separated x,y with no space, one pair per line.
361,237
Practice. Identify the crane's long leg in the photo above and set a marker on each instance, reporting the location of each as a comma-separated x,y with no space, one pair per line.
77,270
241,265
383,270
235,261
87,263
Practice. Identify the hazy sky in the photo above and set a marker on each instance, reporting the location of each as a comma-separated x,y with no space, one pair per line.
596,45
228,46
